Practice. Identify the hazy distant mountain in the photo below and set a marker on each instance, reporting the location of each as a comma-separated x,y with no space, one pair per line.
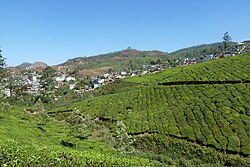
24,65
37,65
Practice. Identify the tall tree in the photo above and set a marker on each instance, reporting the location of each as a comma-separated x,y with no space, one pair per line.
47,82
226,39
15,85
2,60
2,74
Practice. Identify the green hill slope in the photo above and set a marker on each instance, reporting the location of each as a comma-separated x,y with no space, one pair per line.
197,115
235,68
213,114
196,51
228,69
35,139
129,58
132,59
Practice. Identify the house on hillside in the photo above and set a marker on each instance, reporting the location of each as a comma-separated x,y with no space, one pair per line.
60,78
107,75
206,57
69,78
123,73
231,51
246,47
8,92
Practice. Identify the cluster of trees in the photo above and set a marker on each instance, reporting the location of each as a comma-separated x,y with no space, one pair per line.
47,85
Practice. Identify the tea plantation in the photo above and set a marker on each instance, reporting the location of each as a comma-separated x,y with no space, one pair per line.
214,115
206,104
39,140
197,115
231,69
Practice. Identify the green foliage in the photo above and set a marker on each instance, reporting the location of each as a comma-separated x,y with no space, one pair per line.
5,107
166,110
32,138
47,83
123,140
226,69
226,39
47,79
125,59
15,154
2,75
172,151
154,78
183,125
114,87
2,60
81,126
195,51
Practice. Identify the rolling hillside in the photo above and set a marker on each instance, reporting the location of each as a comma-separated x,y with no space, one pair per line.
116,60
197,115
235,69
215,115
29,137
195,51
131,58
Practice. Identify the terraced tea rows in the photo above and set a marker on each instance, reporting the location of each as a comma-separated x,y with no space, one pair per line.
212,115
225,69
15,154
228,69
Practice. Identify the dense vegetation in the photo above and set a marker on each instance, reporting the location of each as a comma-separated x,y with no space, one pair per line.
197,115
30,137
214,115
15,154
227,69
196,51
234,69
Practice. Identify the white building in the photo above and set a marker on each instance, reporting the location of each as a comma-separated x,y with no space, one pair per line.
69,78
60,78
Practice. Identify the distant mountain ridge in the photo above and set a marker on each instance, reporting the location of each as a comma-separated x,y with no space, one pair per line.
24,65
32,66
125,58
129,54
120,60
131,58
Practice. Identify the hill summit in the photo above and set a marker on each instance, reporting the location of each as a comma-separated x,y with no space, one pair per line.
24,65
38,65
32,66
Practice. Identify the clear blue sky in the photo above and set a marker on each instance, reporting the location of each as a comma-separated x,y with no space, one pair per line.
53,31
